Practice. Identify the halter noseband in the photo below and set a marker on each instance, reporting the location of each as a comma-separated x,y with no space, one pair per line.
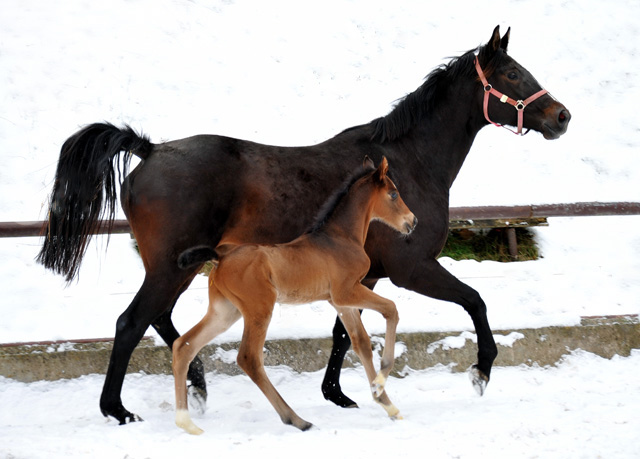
519,105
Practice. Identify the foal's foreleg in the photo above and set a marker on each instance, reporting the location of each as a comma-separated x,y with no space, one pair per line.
362,346
219,317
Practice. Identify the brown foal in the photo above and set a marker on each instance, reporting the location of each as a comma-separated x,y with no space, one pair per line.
326,263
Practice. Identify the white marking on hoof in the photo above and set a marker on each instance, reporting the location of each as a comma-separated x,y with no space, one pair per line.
183,420
377,386
197,399
392,411
479,380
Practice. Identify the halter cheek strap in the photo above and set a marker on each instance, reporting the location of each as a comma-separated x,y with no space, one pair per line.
519,105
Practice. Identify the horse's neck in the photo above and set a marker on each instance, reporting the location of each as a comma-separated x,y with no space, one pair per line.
443,138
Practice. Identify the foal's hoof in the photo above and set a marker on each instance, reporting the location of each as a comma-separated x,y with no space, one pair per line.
306,426
183,420
197,399
478,379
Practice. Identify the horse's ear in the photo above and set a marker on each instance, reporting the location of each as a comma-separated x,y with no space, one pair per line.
367,163
505,40
495,41
381,172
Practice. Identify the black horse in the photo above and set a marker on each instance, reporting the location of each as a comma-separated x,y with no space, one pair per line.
210,190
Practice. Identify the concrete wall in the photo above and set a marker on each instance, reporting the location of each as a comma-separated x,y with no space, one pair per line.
604,336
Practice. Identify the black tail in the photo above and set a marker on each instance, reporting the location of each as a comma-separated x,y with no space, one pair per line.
85,177
196,256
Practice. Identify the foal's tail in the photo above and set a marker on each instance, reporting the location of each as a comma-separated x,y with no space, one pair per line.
85,190
196,256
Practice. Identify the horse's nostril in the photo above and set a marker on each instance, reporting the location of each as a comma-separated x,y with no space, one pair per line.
564,116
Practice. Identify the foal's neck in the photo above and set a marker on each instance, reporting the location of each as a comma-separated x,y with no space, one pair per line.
353,214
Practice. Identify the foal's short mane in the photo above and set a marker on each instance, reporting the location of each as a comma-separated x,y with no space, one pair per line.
330,205
411,109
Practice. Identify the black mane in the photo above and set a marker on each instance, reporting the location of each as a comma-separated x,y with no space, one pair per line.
330,205
411,109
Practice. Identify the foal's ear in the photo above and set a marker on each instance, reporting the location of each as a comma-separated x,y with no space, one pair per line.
367,163
381,172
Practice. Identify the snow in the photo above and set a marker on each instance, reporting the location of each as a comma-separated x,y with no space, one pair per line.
291,73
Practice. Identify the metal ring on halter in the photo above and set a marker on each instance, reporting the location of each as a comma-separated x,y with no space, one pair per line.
520,105
488,88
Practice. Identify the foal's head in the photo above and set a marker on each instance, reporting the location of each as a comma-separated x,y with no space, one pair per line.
388,206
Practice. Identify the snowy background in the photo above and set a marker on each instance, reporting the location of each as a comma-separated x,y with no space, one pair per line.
294,73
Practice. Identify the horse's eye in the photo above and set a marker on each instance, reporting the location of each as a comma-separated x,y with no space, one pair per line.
512,75
393,195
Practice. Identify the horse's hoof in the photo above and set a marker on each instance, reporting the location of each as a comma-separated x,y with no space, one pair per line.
478,379
122,415
336,396
197,399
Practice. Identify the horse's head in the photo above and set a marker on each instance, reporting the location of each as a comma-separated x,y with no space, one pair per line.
388,205
519,99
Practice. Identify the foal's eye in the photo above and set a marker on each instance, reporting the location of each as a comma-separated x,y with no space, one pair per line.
512,75
393,195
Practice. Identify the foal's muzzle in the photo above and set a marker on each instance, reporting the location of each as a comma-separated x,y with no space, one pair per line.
410,226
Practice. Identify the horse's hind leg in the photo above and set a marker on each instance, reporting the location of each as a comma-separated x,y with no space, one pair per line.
155,297
251,360
220,315
331,389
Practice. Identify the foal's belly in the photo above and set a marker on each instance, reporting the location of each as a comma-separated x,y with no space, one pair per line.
302,294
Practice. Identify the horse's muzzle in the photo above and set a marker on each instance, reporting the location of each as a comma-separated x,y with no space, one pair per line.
556,122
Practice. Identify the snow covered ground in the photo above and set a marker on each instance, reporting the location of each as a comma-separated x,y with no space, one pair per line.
587,407
290,73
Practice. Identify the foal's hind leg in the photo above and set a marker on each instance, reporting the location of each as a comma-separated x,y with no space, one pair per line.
198,388
220,315
251,360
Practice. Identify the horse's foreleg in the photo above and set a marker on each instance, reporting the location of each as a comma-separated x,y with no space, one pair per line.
436,282
220,315
251,360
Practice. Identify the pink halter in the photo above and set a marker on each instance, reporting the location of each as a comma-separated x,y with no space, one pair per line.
519,105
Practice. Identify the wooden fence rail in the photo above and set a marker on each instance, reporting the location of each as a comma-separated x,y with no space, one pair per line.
504,216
